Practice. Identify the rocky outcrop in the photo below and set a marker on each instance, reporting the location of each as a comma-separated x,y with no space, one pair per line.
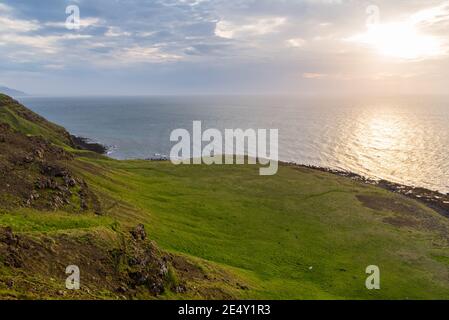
36,173
125,268
139,233
85,144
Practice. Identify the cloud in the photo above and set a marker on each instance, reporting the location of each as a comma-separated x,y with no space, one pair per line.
193,2
404,38
247,45
255,27
295,42
84,23
139,54
312,75
8,24
46,44
4,8
432,15
116,32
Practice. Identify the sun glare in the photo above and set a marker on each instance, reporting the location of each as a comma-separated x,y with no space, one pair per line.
400,40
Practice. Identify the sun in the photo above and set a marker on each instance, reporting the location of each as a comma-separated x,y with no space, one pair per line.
400,40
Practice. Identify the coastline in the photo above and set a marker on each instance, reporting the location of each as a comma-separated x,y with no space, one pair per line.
433,199
57,199
86,144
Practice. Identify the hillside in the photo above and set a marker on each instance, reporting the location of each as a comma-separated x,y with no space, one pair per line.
142,229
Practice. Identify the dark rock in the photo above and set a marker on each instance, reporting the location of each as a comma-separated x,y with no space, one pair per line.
69,181
61,293
39,153
54,171
139,233
28,159
8,237
85,144
138,278
156,288
83,204
12,257
163,269
180,289
10,283
242,286
122,289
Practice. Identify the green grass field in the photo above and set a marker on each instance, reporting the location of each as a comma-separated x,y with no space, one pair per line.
231,233
301,234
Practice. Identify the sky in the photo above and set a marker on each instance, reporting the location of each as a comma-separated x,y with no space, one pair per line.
143,47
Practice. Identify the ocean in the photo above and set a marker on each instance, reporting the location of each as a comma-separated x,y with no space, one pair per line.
400,139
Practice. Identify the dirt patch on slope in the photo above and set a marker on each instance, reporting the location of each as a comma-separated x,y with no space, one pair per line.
402,222
433,199
381,203
405,213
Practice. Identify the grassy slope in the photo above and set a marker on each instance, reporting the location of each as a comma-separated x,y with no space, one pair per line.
29,123
271,230
265,231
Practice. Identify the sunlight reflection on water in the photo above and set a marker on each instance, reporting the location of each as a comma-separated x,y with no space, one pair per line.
404,140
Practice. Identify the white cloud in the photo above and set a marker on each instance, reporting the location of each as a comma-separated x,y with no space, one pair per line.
432,15
146,34
4,8
46,44
295,43
19,33
141,54
193,2
84,23
116,32
404,38
312,75
8,24
255,27
249,36
400,40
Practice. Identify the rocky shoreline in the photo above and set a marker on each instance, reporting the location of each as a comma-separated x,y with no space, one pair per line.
87,144
436,200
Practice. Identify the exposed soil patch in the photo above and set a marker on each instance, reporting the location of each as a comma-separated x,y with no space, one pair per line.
406,214
433,199
186,269
213,293
402,222
381,203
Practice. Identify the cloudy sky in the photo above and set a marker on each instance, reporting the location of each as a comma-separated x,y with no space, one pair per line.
225,46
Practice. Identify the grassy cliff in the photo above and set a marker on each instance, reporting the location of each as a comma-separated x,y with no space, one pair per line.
141,229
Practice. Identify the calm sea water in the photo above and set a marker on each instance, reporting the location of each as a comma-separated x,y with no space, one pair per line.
402,139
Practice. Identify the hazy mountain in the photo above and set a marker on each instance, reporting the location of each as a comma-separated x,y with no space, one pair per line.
12,92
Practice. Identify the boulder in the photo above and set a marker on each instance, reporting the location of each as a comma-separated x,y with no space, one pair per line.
139,233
